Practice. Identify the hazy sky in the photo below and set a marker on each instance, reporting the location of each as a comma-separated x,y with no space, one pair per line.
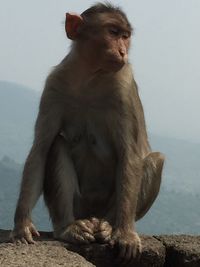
165,53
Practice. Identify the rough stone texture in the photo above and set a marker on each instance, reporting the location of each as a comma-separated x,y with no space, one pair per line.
153,254
41,254
181,250
159,251
45,253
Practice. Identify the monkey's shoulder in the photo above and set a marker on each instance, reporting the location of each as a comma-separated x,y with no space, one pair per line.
101,92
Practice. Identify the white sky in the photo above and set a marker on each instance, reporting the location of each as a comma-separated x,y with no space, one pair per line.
165,54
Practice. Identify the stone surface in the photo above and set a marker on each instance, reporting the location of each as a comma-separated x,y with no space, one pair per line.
181,250
46,252
158,251
41,254
153,254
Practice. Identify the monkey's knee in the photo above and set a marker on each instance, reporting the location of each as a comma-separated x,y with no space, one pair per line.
151,180
156,159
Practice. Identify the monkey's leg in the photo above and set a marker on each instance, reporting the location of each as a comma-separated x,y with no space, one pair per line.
60,188
150,185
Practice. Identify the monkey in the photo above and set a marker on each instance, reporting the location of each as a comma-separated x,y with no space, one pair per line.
91,158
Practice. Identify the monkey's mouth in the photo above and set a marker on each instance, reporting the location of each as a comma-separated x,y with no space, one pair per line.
116,65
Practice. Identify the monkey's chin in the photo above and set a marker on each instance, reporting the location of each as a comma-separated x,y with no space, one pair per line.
115,66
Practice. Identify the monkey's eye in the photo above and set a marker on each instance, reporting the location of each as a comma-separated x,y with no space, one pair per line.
125,35
114,31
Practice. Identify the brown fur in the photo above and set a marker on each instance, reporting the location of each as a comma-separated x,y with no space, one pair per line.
91,157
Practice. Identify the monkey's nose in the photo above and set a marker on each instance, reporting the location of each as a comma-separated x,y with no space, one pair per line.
122,52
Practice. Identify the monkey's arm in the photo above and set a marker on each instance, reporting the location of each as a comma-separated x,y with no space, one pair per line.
142,140
47,126
128,186
127,189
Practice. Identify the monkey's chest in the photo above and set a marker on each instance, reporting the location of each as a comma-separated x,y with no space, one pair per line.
92,154
86,137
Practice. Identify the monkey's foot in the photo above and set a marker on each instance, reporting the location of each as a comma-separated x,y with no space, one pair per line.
127,244
102,230
24,233
79,232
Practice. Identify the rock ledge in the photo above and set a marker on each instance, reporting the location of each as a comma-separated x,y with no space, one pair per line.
158,251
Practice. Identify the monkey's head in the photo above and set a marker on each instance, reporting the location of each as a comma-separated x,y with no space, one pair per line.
101,35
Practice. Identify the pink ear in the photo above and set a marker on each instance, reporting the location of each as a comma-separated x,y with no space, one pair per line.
73,21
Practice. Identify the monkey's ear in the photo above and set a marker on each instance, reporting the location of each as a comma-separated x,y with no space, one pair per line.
72,23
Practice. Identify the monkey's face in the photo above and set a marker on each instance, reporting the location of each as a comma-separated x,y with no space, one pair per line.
108,42
112,45
103,41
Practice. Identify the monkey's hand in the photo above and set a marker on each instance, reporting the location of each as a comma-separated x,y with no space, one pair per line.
127,244
79,232
102,230
24,232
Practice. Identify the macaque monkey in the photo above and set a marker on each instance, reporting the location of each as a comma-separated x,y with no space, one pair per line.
91,157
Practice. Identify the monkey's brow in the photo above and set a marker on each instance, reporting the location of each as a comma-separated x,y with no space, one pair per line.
118,26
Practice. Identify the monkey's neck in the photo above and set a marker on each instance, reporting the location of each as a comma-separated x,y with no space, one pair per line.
82,62
79,71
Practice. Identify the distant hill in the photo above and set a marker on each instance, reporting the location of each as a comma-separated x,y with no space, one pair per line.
10,172
182,165
10,179
18,109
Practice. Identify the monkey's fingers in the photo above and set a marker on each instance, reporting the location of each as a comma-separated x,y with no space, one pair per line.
23,241
96,222
27,239
104,225
89,237
127,246
129,251
34,231
14,239
86,231
30,239
17,242
104,232
86,226
78,233
129,254
80,238
103,237
28,236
